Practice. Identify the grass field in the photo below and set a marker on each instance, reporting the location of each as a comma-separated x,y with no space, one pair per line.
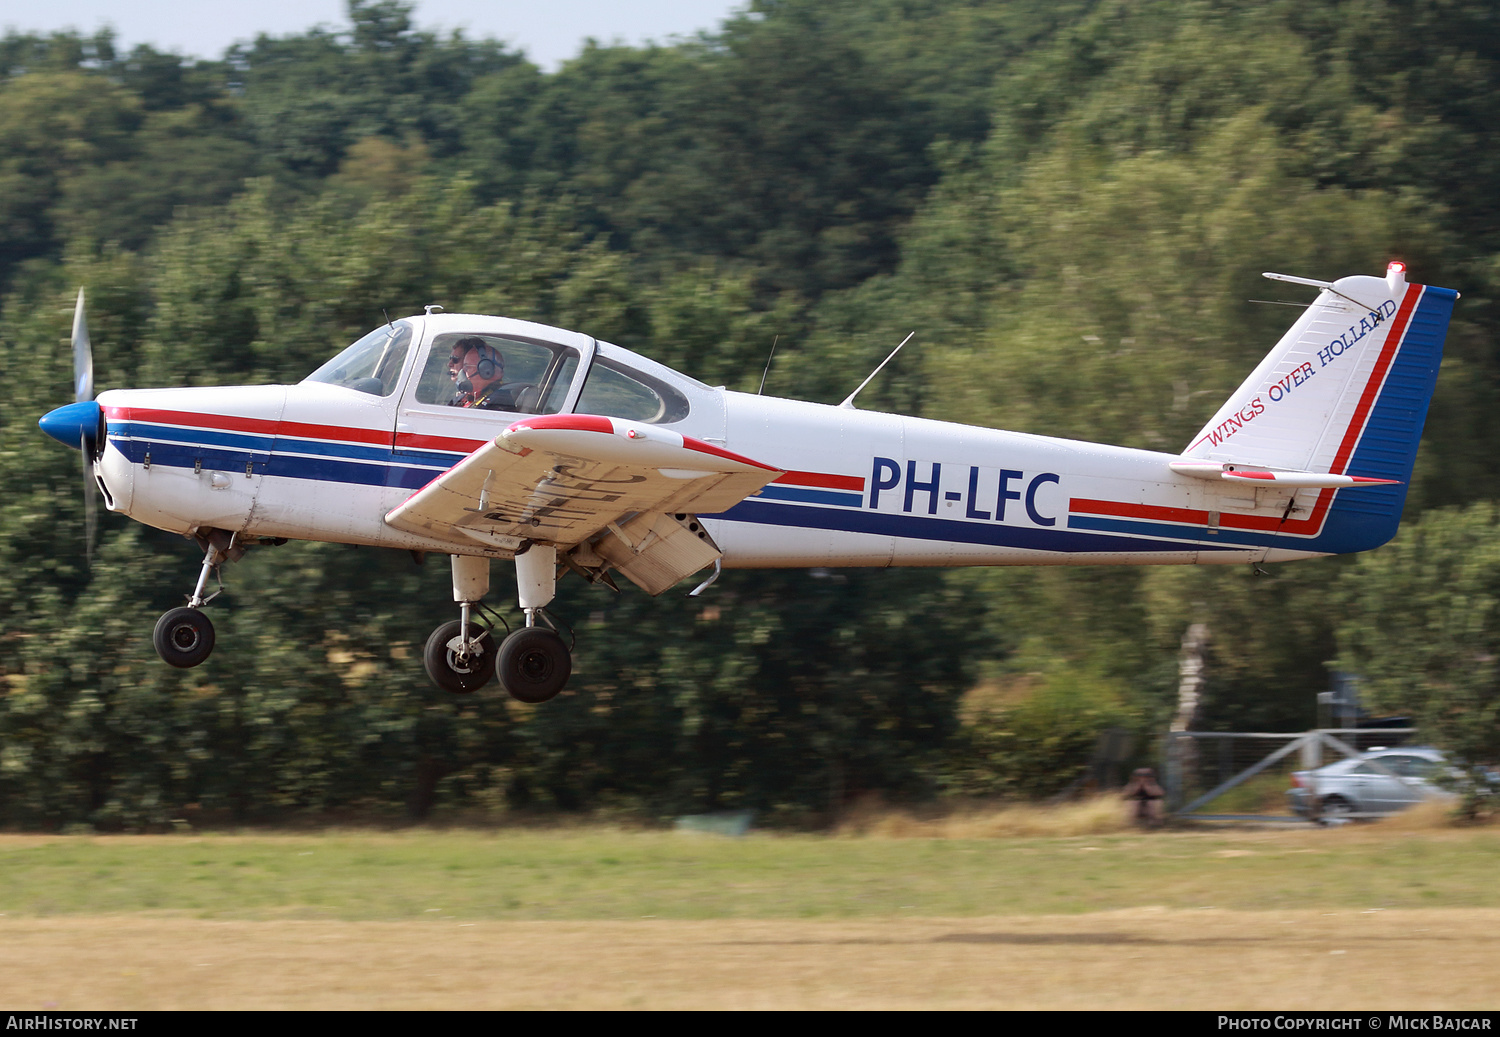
1359,916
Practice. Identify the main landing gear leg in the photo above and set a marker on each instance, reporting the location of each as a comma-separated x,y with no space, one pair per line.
460,655
184,637
534,664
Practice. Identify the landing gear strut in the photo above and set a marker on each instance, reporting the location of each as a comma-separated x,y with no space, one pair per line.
460,656
184,637
532,664
460,664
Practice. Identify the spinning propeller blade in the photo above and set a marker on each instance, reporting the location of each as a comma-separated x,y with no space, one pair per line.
83,355
83,392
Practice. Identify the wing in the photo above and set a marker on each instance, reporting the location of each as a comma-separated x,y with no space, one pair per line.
563,478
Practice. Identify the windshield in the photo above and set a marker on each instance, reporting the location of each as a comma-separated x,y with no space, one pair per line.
373,364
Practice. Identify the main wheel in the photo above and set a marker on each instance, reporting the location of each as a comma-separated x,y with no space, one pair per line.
534,664
452,673
183,638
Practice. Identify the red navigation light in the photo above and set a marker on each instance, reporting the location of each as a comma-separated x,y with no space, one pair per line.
1397,266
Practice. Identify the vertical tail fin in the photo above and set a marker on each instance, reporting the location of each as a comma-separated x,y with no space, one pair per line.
1345,392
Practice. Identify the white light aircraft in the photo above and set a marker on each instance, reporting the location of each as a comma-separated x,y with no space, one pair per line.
485,437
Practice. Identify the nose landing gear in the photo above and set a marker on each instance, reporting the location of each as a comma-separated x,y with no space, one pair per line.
184,637
532,663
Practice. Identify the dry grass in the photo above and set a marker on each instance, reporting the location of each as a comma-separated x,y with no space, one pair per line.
1141,958
909,913
1428,816
1101,815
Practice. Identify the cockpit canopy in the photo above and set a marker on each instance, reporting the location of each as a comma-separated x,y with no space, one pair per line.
535,376
373,364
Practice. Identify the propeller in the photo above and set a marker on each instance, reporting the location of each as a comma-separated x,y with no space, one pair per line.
88,446
80,424
83,355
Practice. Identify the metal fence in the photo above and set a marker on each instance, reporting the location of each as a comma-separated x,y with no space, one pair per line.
1205,767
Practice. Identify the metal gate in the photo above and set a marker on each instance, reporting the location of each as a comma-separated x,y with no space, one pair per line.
1201,766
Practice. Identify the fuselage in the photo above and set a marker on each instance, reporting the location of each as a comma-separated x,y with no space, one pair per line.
329,459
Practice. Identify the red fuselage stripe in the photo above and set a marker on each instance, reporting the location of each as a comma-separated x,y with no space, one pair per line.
827,482
458,446
256,426
1189,516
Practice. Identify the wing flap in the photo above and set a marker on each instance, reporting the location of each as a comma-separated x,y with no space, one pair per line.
562,478
654,551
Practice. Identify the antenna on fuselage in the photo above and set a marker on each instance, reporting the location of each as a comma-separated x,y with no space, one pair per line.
387,317
848,403
762,389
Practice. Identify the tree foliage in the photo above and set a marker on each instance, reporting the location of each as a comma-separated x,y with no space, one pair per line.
1069,202
1421,626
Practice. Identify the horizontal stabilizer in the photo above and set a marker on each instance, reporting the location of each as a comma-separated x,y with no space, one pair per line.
1241,473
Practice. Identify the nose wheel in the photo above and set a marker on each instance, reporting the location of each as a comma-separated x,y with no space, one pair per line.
183,638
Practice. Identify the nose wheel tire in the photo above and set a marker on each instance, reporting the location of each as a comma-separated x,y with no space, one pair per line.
449,668
183,638
534,664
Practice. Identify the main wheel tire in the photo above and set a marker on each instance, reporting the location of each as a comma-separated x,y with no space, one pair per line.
183,638
451,673
534,664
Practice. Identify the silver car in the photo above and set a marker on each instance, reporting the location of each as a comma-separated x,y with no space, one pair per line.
1352,788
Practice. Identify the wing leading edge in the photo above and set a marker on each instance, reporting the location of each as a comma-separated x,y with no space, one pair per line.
565,478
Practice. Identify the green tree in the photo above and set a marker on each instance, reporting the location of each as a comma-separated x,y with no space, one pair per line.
1421,628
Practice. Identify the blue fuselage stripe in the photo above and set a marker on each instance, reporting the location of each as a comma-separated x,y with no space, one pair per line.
192,436
317,461
250,443
806,496
917,527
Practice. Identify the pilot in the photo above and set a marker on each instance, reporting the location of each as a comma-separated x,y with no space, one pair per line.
477,369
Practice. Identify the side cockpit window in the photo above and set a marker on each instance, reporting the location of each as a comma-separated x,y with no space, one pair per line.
491,372
615,391
373,364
